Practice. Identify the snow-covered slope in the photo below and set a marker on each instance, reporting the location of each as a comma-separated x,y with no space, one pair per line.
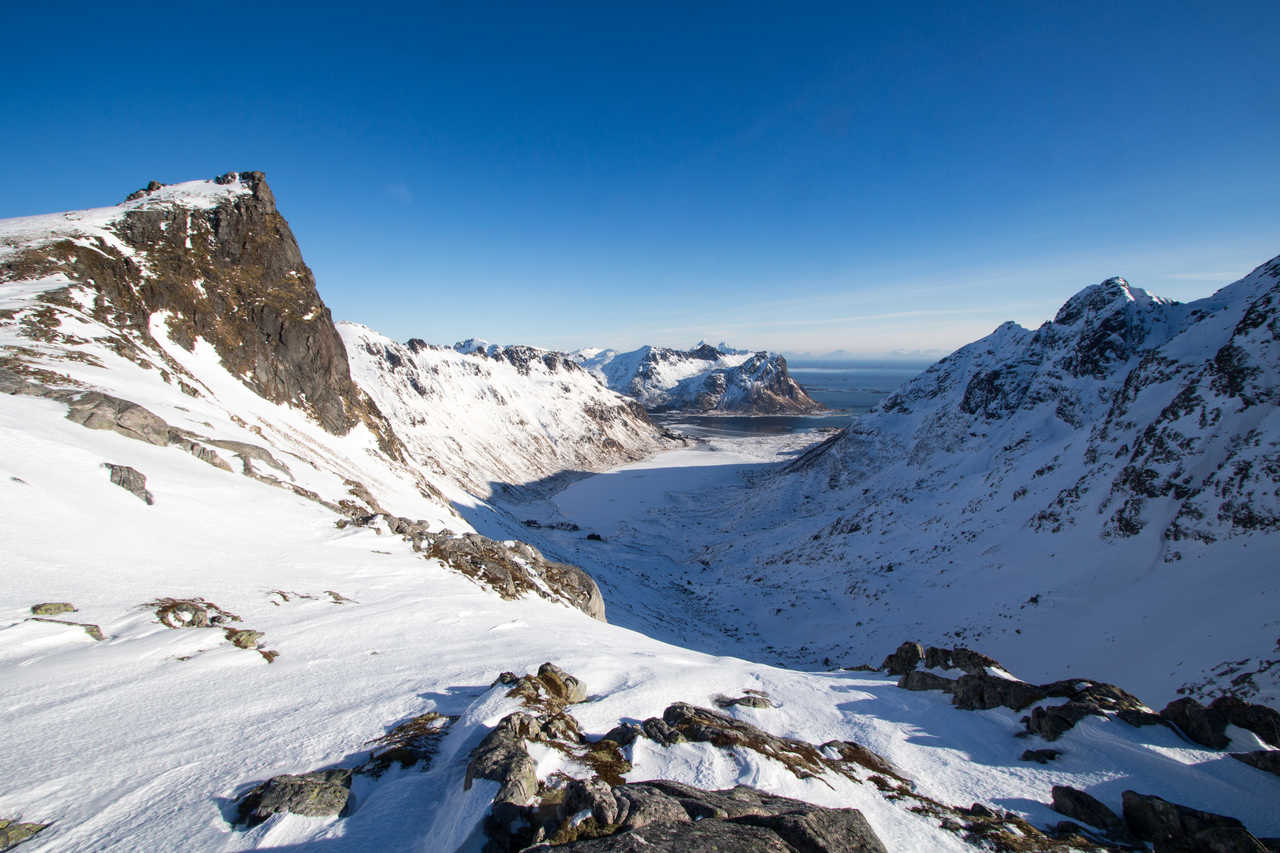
1096,496
703,379
494,416
223,564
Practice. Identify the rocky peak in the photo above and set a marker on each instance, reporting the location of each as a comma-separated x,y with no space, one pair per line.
1100,299
219,263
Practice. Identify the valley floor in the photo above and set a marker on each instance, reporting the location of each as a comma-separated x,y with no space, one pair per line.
657,519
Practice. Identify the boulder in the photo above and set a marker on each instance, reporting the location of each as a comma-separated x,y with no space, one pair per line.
751,700
1259,719
905,659
1040,756
1087,809
92,630
657,730
501,757
974,663
624,734
96,410
13,833
660,816
982,692
52,608
1096,694
561,684
550,689
320,794
131,480
918,679
1174,828
244,639
1137,719
1052,722
1205,726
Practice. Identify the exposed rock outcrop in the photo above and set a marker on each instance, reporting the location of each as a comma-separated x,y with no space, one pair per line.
223,267
52,608
13,833
1087,809
323,793
667,816
131,480
1174,828
517,569
978,689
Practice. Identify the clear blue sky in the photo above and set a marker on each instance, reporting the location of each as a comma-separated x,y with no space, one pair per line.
805,177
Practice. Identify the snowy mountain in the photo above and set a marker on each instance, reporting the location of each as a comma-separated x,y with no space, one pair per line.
488,416
1095,496
703,379
260,593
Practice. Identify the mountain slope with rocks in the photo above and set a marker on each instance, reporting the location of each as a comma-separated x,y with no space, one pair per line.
498,417
703,379
1109,477
250,603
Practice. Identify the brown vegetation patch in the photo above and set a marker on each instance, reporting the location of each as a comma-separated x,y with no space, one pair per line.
409,743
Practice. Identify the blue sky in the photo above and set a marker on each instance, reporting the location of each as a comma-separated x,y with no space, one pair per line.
804,177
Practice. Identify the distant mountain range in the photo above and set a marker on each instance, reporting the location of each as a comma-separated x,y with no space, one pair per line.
702,379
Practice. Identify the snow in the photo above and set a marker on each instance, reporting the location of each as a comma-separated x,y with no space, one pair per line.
653,374
489,424
708,564
95,223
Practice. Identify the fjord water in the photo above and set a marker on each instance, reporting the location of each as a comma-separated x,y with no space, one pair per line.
846,388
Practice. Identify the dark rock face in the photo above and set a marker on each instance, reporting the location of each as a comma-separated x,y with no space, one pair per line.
920,680
232,275
1267,760
970,661
1087,809
1259,719
667,816
904,660
131,480
1175,828
982,692
318,794
1205,726
1050,723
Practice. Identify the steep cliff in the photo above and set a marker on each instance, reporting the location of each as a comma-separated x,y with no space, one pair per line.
221,263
